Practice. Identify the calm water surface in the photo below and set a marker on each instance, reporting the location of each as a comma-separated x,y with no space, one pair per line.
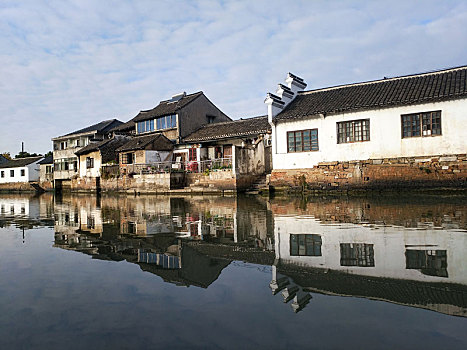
199,272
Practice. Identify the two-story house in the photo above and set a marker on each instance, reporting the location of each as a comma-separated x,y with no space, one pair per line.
66,163
171,119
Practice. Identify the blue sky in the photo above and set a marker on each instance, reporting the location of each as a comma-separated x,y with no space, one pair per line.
68,64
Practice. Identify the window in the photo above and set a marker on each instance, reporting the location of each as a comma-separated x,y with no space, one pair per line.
12,173
302,141
421,124
192,154
145,126
89,163
48,169
353,131
429,262
23,172
357,254
127,158
63,145
305,245
167,122
2,174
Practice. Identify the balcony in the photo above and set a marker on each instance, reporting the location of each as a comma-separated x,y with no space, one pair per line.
204,166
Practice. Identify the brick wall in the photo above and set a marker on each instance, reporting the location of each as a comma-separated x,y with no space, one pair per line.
390,173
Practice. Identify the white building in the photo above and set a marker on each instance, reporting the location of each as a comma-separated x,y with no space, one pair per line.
418,115
20,170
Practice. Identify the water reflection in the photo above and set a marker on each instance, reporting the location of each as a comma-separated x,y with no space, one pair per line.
409,251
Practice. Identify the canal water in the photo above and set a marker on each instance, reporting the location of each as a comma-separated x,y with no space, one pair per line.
112,272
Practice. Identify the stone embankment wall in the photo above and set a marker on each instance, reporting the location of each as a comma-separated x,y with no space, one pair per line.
25,186
224,180
389,173
139,183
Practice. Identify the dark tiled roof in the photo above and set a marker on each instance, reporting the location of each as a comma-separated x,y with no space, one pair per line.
167,107
235,128
161,143
107,148
406,90
101,127
47,160
20,162
125,127
3,159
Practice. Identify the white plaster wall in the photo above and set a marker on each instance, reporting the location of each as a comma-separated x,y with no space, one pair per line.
32,172
385,136
389,245
91,172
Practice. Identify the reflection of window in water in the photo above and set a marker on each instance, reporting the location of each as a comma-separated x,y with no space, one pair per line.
76,218
23,209
357,254
305,245
12,209
429,262
2,210
131,227
91,222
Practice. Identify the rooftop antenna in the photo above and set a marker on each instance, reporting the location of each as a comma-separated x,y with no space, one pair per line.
22,147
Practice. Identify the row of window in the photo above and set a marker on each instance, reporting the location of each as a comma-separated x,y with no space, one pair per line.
12,173
413,125
84,141
166,122
66,164
429,262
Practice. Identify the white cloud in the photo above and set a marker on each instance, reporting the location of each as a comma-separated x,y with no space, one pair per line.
68,64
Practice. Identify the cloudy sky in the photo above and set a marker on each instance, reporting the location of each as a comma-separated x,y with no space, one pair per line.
65,65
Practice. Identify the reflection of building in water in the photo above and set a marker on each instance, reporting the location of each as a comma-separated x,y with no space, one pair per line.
374,261
26,211
144,230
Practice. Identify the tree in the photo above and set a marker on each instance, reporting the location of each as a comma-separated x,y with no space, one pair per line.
26,154
6,155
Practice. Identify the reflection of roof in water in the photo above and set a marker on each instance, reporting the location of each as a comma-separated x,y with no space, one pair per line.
448,298
197,269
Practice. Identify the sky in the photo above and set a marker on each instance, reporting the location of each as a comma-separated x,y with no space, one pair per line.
65,65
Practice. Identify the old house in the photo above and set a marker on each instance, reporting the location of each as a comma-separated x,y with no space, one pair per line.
399,131
177,117
241,147
142,151
96,156
21,170
66,163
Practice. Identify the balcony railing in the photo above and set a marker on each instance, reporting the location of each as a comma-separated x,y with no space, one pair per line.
189,166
